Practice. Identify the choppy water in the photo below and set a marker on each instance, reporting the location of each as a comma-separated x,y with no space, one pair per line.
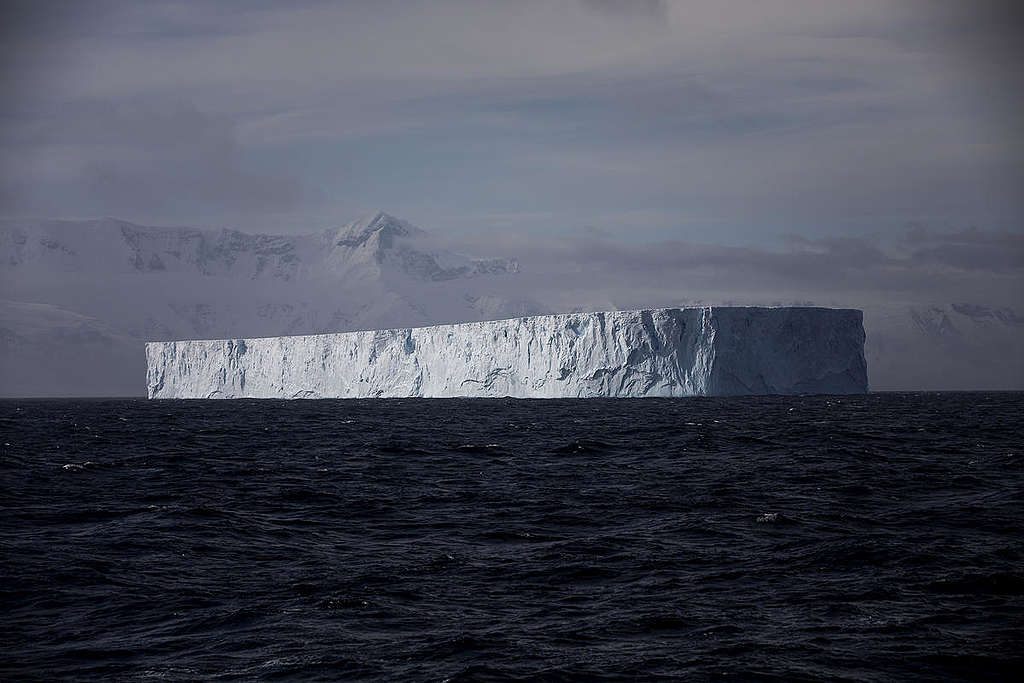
865,538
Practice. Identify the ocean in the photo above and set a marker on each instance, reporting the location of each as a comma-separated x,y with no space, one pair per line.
862,538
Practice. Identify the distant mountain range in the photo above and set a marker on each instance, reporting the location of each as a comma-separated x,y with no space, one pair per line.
78,299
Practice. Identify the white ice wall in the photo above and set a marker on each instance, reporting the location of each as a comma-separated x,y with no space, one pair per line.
664,352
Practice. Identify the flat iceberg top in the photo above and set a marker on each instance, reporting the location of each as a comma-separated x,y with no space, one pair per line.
658,352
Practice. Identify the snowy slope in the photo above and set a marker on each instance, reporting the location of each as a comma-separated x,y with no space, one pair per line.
378,245
147,283
666,352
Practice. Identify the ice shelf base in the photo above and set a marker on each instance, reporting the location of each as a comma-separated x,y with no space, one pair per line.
712,351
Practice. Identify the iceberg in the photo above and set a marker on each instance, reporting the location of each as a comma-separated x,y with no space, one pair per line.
709,351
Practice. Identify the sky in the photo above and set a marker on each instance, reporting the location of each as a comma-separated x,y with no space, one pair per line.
739,123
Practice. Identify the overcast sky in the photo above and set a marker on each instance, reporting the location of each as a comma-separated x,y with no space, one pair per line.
727,122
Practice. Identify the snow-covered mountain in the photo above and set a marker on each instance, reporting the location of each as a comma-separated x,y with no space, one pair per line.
379,245
132,283
79,298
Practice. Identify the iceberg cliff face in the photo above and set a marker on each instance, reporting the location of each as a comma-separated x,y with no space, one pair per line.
664,352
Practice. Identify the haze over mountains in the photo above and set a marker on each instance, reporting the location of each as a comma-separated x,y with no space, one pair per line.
78,299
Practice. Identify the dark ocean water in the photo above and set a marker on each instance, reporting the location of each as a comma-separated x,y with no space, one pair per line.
867,538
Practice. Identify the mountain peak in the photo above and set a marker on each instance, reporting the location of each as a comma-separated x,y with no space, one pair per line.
378,223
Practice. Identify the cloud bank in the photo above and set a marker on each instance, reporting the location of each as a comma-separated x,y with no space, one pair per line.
730,122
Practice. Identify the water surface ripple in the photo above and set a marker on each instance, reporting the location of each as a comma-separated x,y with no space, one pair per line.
863,538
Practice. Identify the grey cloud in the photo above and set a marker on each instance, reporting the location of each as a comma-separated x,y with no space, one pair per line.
655,9
734,121
972,249
982,28
921,234
144,158
973,257
845,271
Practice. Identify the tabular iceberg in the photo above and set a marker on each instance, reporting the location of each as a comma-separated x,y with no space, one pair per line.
664,352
